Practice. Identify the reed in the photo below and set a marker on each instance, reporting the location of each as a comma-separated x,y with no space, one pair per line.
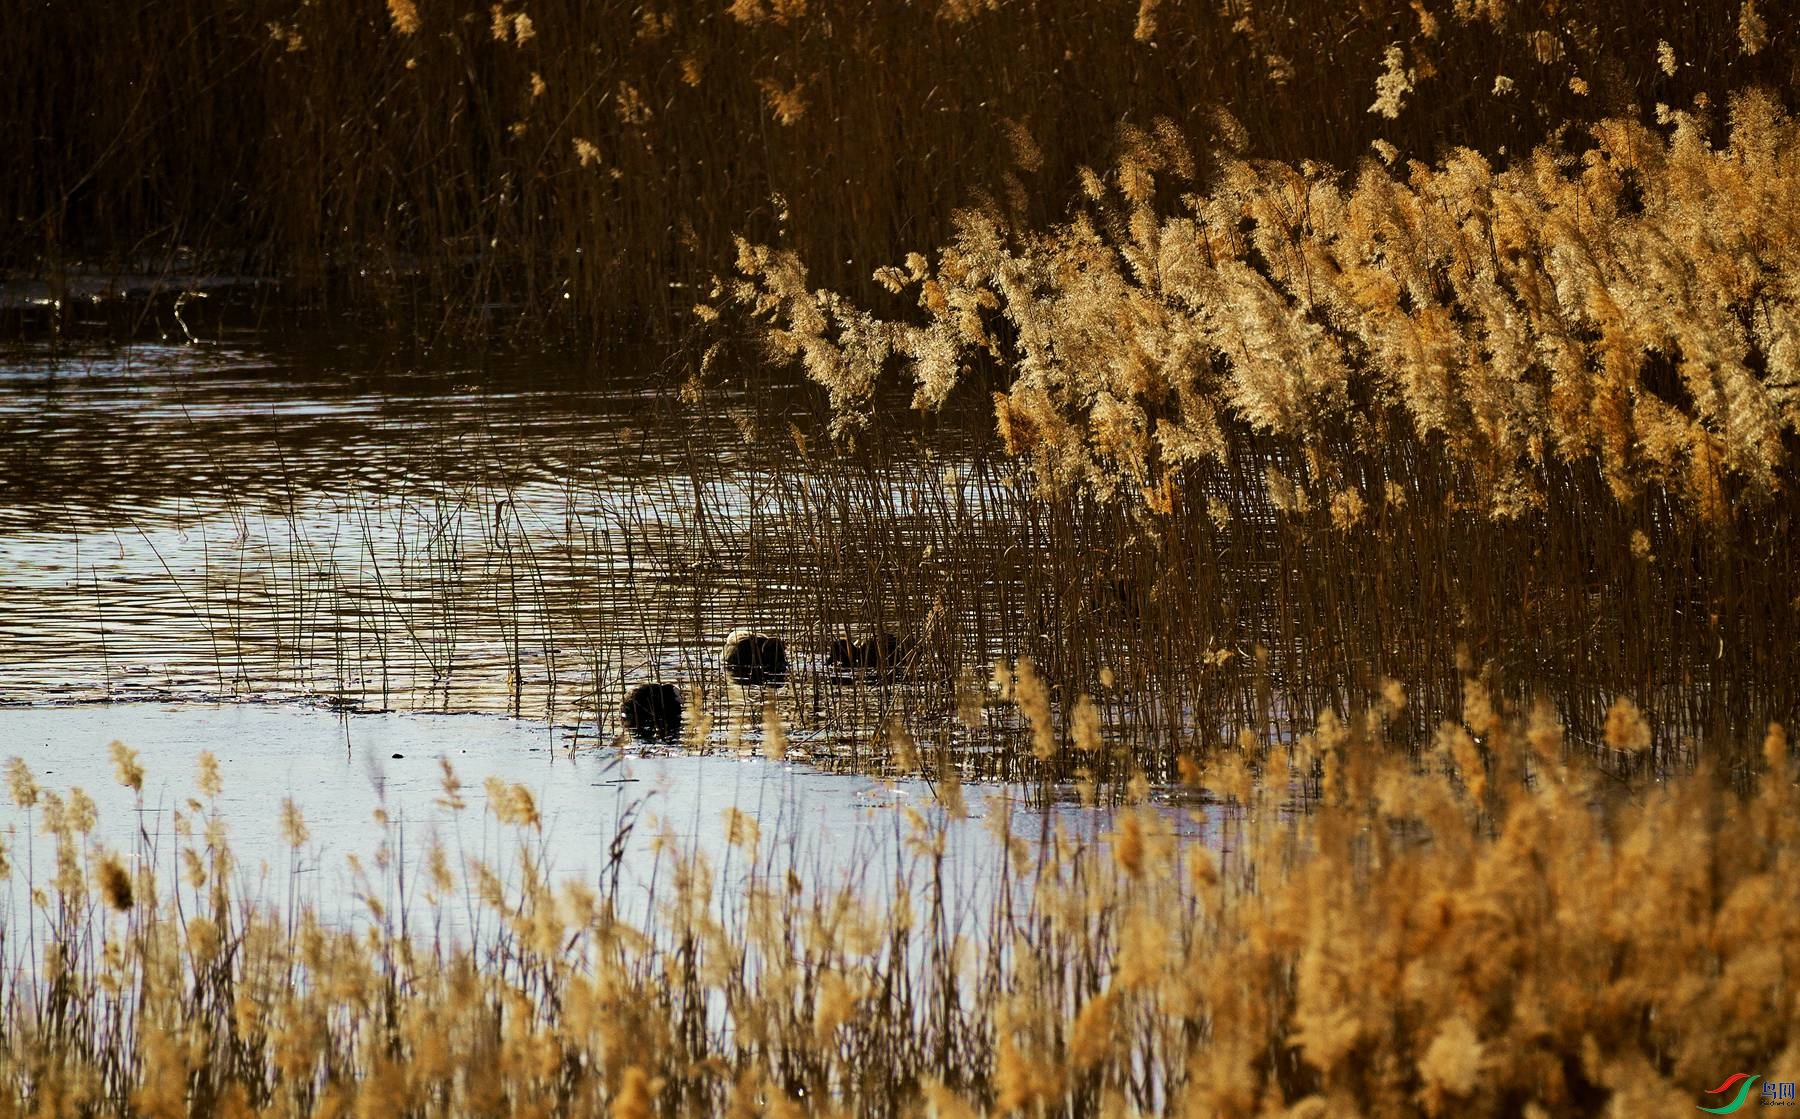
1542,399
555,169
1485,930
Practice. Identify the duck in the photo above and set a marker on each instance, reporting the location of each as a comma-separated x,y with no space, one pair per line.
880,654
652,712
754,658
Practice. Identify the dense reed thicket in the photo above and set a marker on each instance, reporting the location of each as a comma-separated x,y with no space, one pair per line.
554,167
1545,411
1633,310
1466,936
1300,401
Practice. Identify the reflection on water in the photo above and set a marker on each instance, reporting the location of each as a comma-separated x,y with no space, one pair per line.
204,522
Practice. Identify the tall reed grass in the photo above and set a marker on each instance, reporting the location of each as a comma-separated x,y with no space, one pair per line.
553,169
1486,931
1276,408
1629,309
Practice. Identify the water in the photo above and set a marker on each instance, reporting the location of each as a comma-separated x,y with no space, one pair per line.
831,829
223,522
330,570
305,521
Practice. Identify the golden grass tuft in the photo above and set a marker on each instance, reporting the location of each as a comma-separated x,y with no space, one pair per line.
1623,307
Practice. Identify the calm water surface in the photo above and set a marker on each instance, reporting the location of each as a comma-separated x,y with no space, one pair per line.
251,552
211,522
339,769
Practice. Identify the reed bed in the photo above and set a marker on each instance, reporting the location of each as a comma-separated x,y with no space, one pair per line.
1493,928
552,169
1548,400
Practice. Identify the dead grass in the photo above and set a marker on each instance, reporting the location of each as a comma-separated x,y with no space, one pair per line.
1284,408
1487,931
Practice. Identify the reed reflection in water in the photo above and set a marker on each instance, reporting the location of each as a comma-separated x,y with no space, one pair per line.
212,522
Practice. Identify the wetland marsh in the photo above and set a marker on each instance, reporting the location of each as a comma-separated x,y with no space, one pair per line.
822,557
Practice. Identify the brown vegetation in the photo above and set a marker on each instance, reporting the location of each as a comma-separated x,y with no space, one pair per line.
1634,309
1298,405
552,168
1487,932
1510,408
